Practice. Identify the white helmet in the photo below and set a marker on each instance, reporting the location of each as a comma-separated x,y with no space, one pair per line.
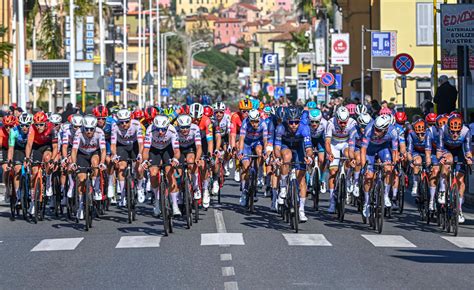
89,121
161,122
342,114
26,118
123,115
382,122
184,120
55,119
392,119
196,111
364,119
361,109
254,115
76,120
219,106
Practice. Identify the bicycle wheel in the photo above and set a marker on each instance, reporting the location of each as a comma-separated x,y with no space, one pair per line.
295,206
128,188
401,193
426,206
379,206
24,192
455,210
341,206
221,181
37,202
57,194
11,191
170,214
164,211
315,190
187,203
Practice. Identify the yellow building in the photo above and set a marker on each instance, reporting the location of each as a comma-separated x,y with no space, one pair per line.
266,6
189,7
199,22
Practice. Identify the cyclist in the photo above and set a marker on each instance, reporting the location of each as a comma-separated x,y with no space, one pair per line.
270,121
360,109
149,115
126,142
355,144
42,146
222,124
8,122
318,128
293,144
380,140
189,138
16,146
67,138
417,152
236,119
337,135
161,148
455,139
217,143
88,150
253,139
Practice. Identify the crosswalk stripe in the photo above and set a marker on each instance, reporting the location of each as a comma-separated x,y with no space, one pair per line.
461,242
218,239
138,242
65,244
389,241
306,240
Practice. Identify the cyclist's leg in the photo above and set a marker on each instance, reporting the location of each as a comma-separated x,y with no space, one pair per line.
385,156
369,177
46,158
287,156
333,169
433,179
298,157
416,169
244,168
95,159
357,170
445,169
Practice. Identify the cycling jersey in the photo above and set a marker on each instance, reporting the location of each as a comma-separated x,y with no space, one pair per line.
205,126
318,134
381,146
154,140
89,146
17,138
336,133
127,137
235,123
298,142
252,135
432,134
270,129
401,132
47,137
223,126
355,140
417,145
447,143
193,138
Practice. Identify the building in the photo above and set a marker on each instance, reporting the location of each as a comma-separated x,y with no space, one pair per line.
266,6
250,29
5,20
286,5
227,30
189,7
244,11
199,22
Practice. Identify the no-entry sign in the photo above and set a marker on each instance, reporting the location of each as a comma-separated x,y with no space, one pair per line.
403,63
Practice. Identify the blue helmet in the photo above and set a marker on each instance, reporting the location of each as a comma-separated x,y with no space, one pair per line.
280,113
293,113
267,109
315,115
311,105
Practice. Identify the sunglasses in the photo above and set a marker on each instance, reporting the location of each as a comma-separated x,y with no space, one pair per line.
294,122
315,122
219,112
255,121
40,125
100,119
342,123
455,132
77,127
24,125
89,129
124,122
185,127
244,111
162,129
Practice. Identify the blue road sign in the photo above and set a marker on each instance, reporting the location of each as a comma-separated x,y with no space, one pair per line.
337,83
381,43
403,63
313,84
327,79
165,92
279,92
270,60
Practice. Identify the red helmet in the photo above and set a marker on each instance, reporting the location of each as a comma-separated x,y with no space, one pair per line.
9,121
138,114
431,118
401,117
100,111
40,117
150,113
208,111
184,110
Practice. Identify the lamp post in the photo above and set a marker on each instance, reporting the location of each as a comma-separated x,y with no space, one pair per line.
164,40
101,49
72,59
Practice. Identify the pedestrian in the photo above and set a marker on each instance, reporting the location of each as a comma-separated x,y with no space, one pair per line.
446,96
427,105
69,111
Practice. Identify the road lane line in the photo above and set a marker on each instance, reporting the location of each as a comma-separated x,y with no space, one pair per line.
228,271
389,241
231,285
461,242
222,239
226,257
220,224
66,244
306,240
127,242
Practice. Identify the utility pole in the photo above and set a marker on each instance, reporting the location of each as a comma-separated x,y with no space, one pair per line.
72,28
21,35
101,49
140,91
124,66
362,69
152,99
13,75
158,50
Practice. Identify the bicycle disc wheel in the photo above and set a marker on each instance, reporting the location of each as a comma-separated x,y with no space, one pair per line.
455,205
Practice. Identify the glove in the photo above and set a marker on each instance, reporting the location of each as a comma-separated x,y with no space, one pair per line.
102,166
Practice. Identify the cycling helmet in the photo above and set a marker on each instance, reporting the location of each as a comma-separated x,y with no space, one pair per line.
150,113
268,110
441,120
431,118
315,115
382,122
293,113
419,126
40,117
138,114
281,113
401,117
385,111
9,121
455,113
364,119
455,123
351,108
208,111
56,119
261,105
184,121
123,115
342,114
254,115
161,122
184,110
219,106
100,111
89,121
361,109
311,105
245,104
168,111
76,120
196,111
26,118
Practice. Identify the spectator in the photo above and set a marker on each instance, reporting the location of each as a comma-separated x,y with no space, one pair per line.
427,106
471,127
446,96
69,111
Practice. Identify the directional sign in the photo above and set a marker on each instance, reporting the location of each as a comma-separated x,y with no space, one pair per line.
165,92
279,92
337,83
313,84
383,43
403,63
327,79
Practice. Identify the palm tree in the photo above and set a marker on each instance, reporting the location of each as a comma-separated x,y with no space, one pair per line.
5,47
198,87
176,56
224,86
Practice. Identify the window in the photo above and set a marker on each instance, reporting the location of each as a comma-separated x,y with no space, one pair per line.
424,24
190,1
423,91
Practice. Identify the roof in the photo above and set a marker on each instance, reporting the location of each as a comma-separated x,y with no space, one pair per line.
286,36
259,22
228,20
198,63
248,6
208,17
286,27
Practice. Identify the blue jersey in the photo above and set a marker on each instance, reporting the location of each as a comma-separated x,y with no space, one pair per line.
17,138
108,127
300,139
251,135
416,144
271,129
448,143
355,139
432,136
389,139
305,117
401,132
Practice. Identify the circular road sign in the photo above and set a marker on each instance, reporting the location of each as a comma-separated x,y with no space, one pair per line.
340,46
403,63
327,79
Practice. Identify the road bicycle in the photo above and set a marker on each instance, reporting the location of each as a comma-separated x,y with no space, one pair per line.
131,190
165,202
340,190
186,187
39,184
251,185
89,208
402,185
423,194
376,199
11,192
290,207
314,184
219,176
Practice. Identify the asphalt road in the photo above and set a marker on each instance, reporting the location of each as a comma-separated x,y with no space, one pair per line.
232,249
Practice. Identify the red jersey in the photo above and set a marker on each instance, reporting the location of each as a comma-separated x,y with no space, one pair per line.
205,125
235,123
4,137
47,137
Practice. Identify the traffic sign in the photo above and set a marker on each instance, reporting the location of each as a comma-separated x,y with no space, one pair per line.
337,83
270,90
165,92
270,61
279,92
383,43
403,63
313,84
327,79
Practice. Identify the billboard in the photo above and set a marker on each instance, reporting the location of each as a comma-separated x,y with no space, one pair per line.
340,48
383,49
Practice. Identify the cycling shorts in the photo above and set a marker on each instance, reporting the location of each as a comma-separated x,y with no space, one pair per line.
4,155
19,156
39,150
249,148
84,160
297,156
434,159
186,151
383,153
127,151
458,156
336,152
161,156
318,144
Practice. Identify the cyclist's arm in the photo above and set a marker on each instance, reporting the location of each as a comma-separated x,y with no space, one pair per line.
113,141
175,145
29,143
147,144
11,144
102,147
363,155
54,141
210,138
140,139
394,142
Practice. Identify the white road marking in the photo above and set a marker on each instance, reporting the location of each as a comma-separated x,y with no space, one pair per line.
306,240
220,224
138,242
226,257
222,239
389,241
228,271
461,242
231,285
66,244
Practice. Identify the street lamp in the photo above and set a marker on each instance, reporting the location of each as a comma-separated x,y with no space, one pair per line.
164,41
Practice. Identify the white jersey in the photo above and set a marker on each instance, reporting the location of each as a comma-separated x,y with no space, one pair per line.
89,145
193,137
336,133
127,137
154,140
223,126
68,133
320,131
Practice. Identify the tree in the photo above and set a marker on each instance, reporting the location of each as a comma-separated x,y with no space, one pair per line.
175,56
5,47
224,86
198,87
